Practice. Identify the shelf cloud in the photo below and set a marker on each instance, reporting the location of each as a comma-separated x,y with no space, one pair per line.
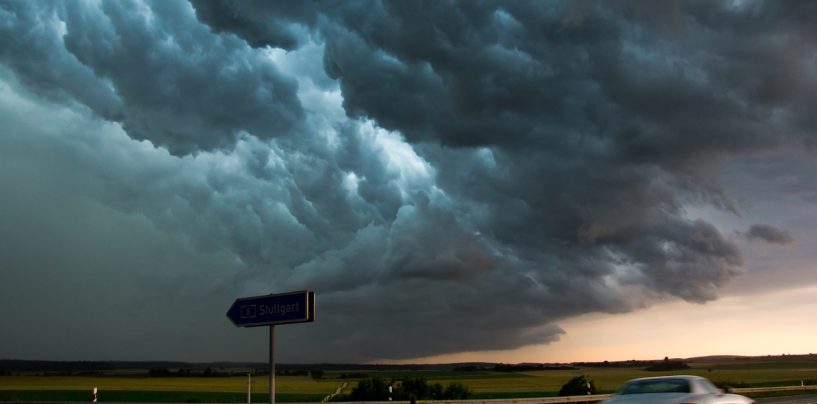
447,176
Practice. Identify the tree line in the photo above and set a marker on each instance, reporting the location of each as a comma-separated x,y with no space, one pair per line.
407,389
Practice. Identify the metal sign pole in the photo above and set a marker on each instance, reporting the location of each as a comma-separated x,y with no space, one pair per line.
272,364
269,310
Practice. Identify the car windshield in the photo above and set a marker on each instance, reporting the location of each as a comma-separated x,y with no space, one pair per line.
656,386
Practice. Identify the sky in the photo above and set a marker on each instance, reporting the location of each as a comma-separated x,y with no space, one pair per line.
520,181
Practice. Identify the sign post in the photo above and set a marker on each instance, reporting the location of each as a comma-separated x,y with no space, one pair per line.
272,364
269,310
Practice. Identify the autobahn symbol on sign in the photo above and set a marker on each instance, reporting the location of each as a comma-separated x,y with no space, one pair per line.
283,308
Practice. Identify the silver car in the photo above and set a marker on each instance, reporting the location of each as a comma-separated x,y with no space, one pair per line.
674,390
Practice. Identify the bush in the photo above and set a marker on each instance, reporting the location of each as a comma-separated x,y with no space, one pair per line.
456,391
578,386
412,387
374,389
407,389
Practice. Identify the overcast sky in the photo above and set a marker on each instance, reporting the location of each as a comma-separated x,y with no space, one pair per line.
508,181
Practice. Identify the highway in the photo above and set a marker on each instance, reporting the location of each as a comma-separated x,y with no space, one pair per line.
804,399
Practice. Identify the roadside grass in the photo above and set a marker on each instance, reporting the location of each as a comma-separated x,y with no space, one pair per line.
780,394
151,396
608,380
171,389
236,384
508,395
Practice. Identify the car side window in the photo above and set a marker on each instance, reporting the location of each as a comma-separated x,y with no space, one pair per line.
656,386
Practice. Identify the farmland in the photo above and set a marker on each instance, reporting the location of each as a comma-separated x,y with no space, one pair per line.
484,383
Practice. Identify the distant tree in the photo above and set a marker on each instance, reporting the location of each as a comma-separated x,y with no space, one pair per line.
436,392
158,372
374,389
408,389
316,374
667,366
354,375
577,386
456,391
416,388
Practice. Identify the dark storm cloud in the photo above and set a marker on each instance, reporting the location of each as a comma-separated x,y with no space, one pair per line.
551,149
509,74
769,234
153,67
260,23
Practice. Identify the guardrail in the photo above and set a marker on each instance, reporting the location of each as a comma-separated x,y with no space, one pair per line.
743,390
595,398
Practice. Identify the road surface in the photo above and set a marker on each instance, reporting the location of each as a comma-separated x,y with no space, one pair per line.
805,399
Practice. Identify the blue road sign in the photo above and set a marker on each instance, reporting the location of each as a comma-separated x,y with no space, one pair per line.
284,308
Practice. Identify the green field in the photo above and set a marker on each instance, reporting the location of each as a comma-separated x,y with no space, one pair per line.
483,383
157,389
